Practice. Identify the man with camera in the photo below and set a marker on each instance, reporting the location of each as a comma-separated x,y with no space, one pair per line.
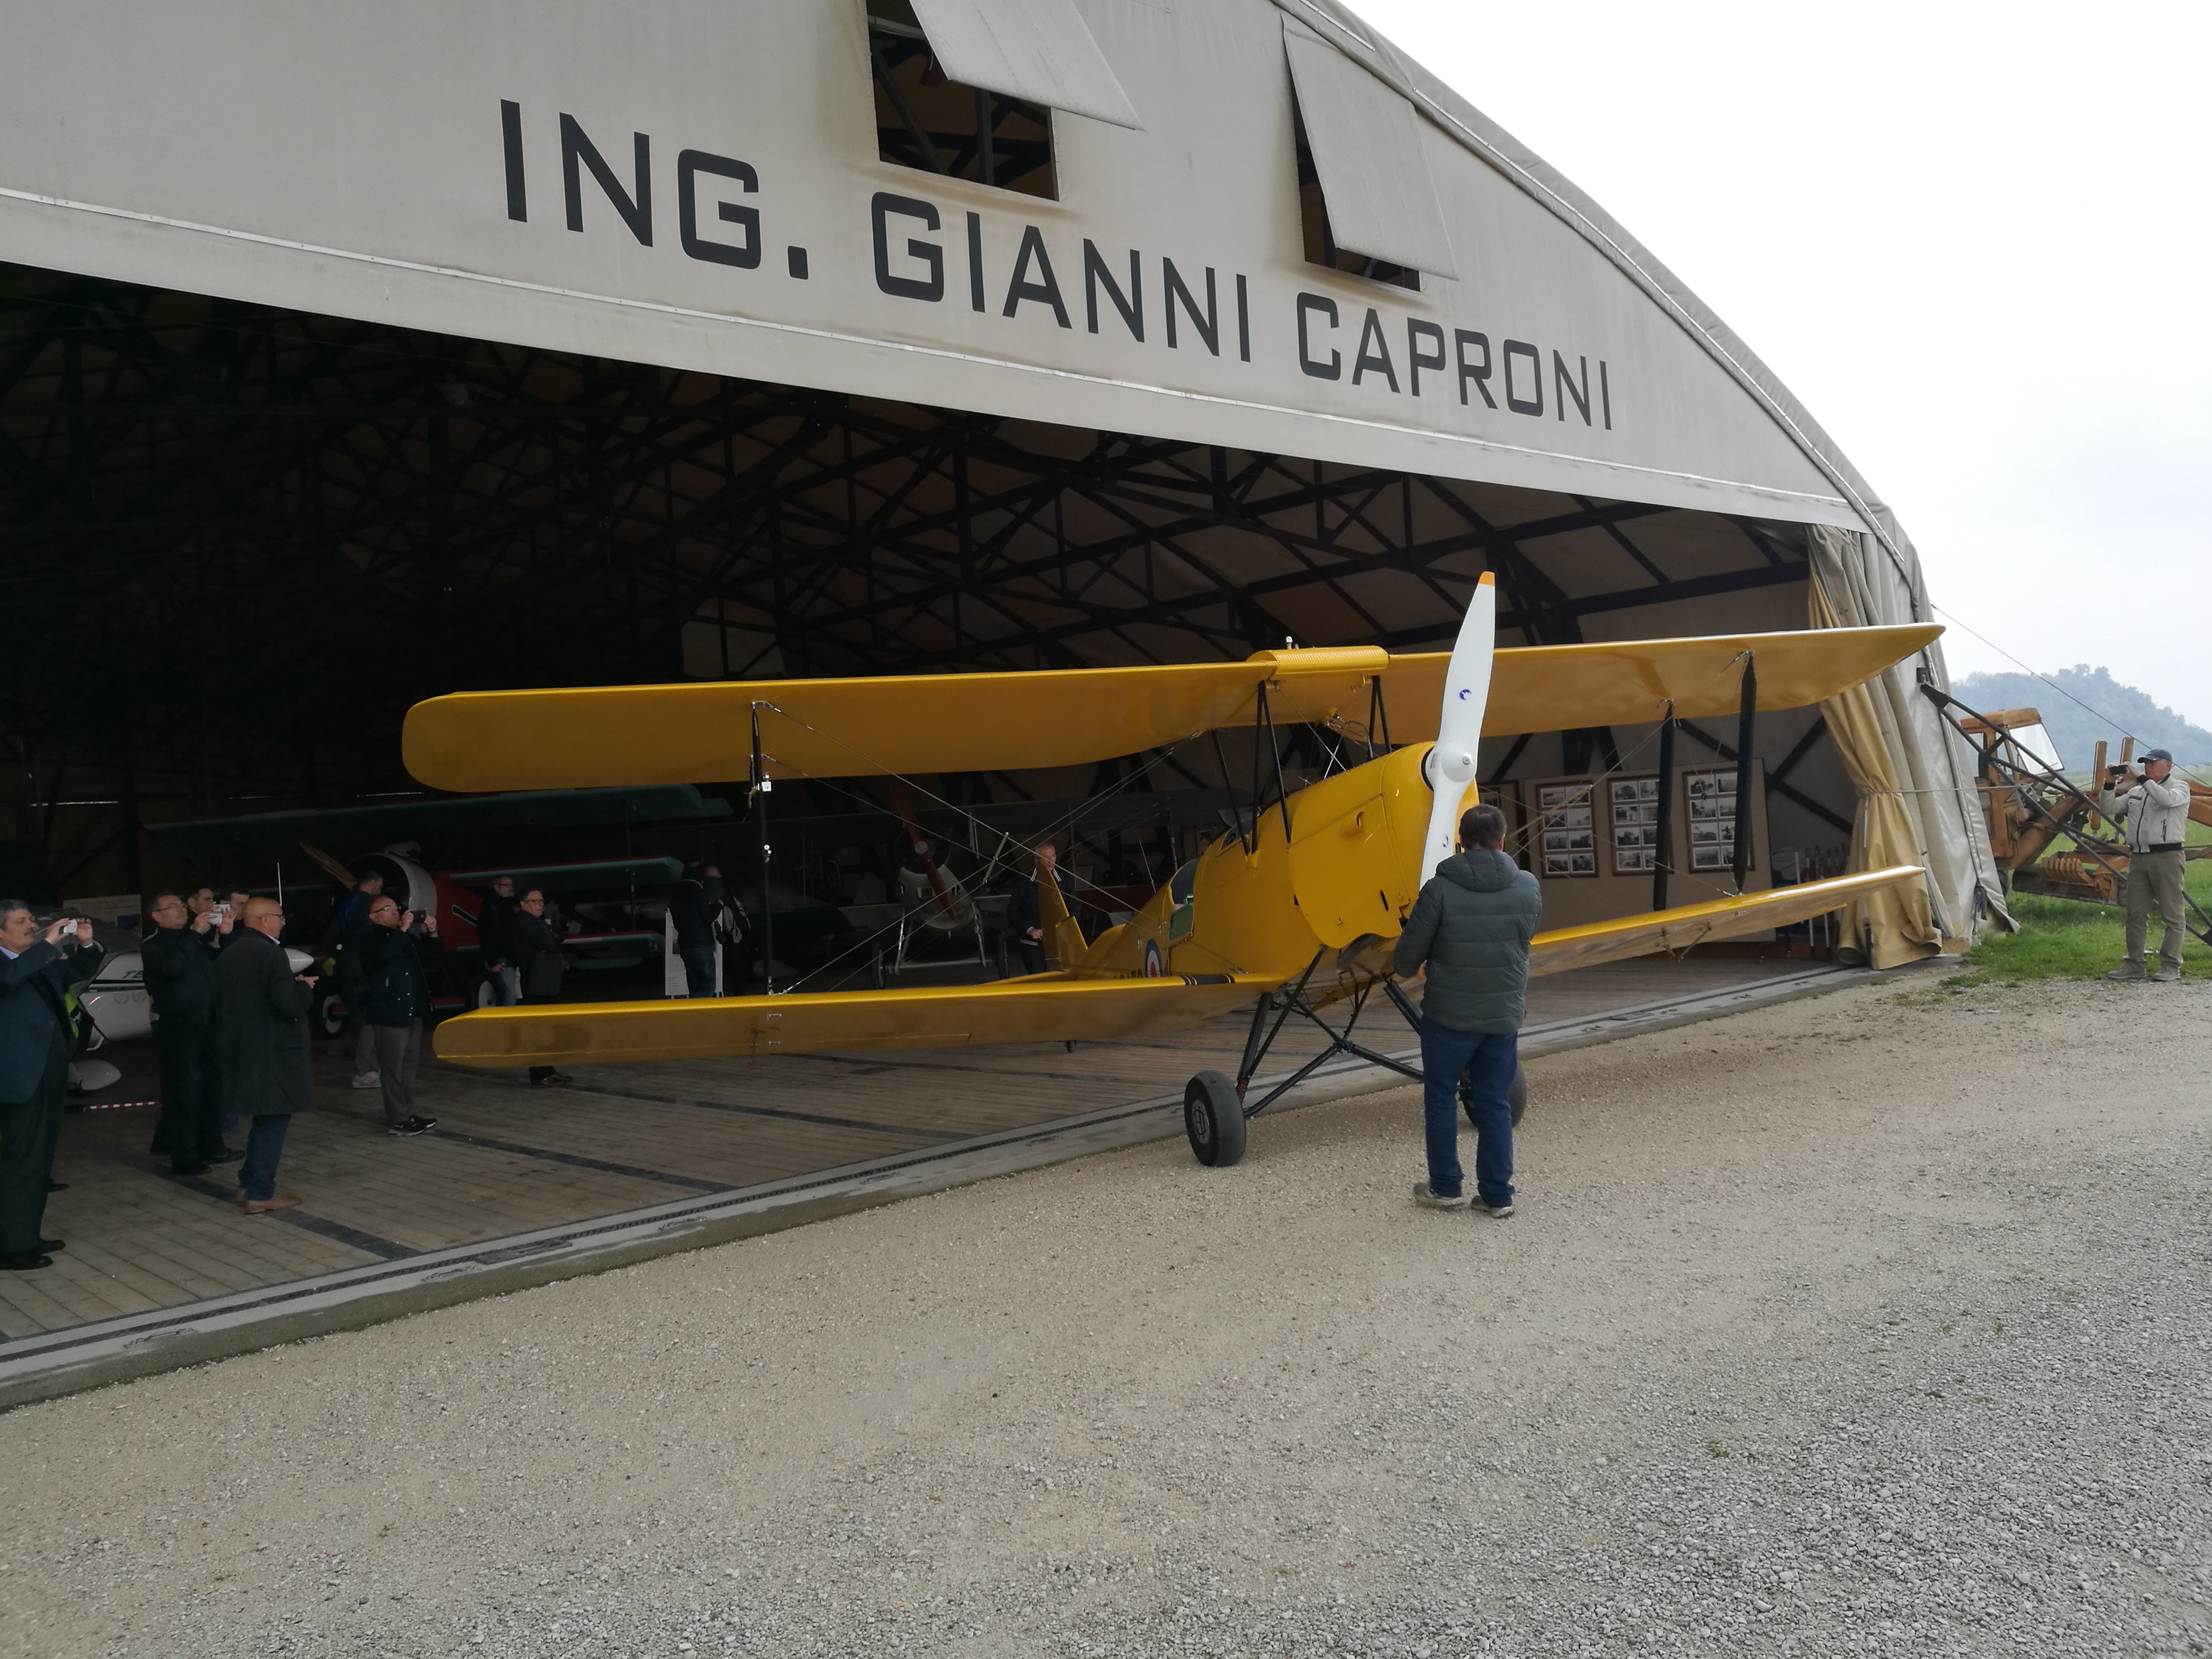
396,960
181,976
543,960
37,1037
2155,806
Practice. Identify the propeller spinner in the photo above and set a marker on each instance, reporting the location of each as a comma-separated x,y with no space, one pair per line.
1451,765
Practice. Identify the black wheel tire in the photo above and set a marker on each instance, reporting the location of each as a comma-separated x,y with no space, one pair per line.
876,968
1516,1096
1213,1118
328,1020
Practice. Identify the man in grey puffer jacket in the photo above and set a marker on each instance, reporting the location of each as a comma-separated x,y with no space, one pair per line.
1471,928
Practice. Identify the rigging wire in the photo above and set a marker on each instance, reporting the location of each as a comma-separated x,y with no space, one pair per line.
2032,673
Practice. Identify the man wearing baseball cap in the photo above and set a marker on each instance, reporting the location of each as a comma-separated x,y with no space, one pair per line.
2155,805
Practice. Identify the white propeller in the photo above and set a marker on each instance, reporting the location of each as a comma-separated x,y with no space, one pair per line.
1451,765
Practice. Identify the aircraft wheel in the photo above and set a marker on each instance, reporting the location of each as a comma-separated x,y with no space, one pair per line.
487,993
1213,1118
330,1018
1516,1096
877,970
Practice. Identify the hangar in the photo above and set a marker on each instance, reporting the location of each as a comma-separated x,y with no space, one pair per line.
348,357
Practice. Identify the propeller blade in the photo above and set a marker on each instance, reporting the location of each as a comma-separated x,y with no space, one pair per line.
1451,765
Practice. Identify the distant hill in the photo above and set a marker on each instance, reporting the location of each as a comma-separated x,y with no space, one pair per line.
2074,729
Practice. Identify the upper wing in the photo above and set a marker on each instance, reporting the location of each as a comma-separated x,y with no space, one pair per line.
914,723
1561,688
1045,1008
1680,929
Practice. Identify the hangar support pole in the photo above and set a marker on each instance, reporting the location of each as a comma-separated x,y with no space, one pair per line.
1660,858
1746,721
760,787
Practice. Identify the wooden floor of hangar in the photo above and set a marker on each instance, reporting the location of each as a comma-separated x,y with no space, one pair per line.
504,1158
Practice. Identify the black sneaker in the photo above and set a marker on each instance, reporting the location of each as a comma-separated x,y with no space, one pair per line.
413,1126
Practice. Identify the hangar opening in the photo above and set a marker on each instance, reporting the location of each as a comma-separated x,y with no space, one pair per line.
287,528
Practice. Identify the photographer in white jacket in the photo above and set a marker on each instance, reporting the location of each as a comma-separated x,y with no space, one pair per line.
2155,806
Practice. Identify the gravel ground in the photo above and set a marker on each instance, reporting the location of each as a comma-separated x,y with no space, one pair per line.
1872,1324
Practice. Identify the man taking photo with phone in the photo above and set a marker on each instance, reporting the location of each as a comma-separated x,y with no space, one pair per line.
36,1040
2155,805
396,963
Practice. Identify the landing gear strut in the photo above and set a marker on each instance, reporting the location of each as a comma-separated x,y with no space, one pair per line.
1218,1110
1215,1110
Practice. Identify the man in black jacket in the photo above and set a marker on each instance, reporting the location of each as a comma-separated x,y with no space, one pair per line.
180,975
395,1004
691,907
36,1040
494,928
1025,910
262,1019
543,960
1470,930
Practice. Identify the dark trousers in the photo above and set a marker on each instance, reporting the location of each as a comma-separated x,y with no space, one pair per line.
192,1092
698,969
1488,1063
538,1073
1032,955
30,1132
399,1053
265,1144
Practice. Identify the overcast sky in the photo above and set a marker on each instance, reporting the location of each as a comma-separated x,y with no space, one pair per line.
1972,239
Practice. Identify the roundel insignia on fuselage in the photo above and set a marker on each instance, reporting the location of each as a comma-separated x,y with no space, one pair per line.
1153,967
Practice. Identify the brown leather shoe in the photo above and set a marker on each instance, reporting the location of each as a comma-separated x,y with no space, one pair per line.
263,1206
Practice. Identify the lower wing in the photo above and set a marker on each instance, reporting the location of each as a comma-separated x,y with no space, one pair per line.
1043,1008
1698,924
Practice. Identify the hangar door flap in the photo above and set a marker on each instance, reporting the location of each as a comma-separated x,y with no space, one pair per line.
1366,140
1038,50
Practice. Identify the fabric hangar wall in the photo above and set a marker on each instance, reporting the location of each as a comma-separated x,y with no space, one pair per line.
508,343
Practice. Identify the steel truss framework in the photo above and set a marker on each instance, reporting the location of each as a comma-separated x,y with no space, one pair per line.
279,529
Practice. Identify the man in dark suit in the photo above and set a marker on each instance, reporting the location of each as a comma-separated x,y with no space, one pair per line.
691,907
543,959
1025,912
263,1022
36,1040
180,975
395,1004
495,923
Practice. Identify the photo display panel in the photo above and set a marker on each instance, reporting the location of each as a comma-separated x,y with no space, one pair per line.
1710,796
1567,828
1635,803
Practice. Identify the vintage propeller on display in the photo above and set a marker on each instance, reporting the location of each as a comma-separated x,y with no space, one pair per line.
1451,765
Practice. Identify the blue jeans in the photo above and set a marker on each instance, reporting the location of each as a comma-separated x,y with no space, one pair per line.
265,1144
1488,1062
698,969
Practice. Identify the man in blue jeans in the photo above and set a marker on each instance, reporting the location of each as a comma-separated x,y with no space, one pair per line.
1470,930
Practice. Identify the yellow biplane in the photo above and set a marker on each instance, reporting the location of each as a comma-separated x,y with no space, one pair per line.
1291,912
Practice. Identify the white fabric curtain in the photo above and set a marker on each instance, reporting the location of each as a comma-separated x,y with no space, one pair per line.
1868,585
